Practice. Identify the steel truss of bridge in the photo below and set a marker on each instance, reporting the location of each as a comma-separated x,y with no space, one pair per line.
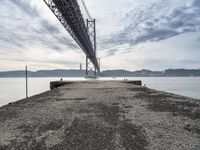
69,14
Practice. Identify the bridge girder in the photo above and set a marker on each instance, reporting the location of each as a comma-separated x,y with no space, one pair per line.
69,14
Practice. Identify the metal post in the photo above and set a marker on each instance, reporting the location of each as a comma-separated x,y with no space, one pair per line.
86,66
86,71
95,45
26,72
100,64
81,67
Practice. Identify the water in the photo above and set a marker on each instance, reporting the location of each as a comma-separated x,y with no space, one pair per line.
12,89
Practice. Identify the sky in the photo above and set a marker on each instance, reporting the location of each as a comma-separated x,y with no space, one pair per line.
131,35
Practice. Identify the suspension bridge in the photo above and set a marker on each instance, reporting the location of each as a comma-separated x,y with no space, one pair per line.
76,19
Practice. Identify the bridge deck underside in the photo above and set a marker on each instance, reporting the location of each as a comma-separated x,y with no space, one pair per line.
69,14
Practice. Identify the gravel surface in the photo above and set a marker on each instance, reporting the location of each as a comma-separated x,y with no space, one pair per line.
101,115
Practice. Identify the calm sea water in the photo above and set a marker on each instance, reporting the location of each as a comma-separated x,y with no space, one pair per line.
12,89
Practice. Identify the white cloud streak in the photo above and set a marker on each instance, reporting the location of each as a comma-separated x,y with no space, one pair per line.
131,34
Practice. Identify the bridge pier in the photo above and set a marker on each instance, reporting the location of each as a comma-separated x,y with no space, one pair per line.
90,67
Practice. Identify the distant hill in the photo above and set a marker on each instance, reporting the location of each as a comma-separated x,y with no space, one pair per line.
182,72
124,73
44,73
106,73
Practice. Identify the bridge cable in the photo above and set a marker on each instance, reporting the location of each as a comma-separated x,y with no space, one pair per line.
86,10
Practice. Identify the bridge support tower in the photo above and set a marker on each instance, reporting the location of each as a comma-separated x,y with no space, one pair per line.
91,70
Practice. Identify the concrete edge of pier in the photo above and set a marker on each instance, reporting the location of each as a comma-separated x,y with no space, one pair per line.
56,84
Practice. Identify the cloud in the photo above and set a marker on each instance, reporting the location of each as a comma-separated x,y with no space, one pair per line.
196,3
157,20
25,27
181,51
125,29
24,7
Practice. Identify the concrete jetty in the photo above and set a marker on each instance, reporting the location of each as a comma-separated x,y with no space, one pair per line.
101,115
